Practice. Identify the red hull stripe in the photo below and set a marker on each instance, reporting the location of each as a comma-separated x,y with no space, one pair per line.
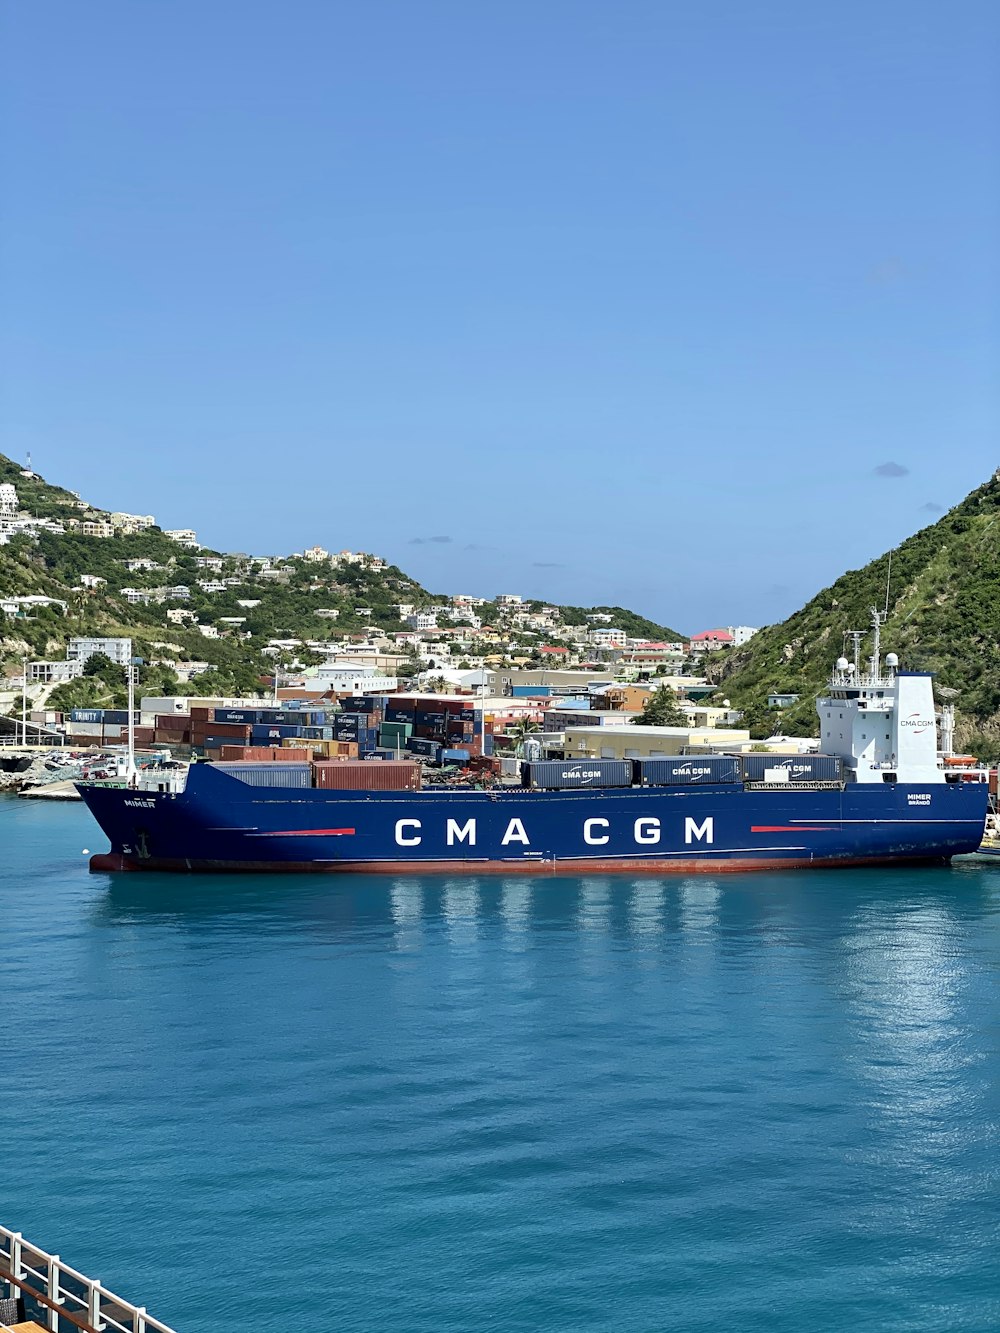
305,833
115,862
789,828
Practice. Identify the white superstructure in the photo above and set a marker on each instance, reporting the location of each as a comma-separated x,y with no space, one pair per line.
879,720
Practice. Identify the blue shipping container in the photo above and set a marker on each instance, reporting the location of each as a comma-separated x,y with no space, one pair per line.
799,767
265,732
687,770
454,756
574,773
421,745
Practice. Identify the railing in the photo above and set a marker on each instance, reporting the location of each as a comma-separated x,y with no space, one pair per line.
48,740
66,1298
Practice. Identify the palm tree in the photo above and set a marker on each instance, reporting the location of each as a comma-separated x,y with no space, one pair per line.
521,731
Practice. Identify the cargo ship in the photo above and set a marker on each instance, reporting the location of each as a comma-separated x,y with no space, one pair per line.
879,792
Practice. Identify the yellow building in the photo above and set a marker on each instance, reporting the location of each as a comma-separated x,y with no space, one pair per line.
632,742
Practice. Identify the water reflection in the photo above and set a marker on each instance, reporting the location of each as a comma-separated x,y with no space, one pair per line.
791,909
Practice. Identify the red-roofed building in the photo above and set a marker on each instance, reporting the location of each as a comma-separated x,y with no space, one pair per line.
709,640
551,651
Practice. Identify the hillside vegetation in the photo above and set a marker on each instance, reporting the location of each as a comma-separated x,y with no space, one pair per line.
944,616
293,602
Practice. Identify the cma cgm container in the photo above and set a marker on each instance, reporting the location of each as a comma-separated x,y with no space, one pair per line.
563,773
367,775
685,770
797,767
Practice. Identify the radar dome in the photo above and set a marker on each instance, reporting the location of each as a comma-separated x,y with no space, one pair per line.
841,663
891,659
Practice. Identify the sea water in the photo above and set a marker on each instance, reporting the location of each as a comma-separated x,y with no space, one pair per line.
760,1102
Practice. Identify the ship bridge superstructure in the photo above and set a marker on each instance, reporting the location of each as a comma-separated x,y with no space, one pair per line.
878,719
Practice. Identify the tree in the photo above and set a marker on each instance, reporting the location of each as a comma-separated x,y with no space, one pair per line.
99,664
661,710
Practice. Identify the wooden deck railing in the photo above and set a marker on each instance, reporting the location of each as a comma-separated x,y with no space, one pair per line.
68,1299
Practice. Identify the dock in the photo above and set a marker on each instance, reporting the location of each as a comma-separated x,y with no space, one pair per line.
52,791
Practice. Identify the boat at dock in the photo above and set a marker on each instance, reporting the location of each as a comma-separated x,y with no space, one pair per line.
879,792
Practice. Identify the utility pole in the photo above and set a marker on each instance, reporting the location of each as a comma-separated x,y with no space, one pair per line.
24,696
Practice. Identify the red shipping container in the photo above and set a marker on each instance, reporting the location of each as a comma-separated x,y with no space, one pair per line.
367,775
237,731
173,721
201,714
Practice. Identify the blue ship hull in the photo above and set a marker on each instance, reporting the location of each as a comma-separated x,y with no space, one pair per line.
221,824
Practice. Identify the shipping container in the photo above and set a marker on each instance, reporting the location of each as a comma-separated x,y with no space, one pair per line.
232,730
575,773
367,775
687,770
264,732
400,715
172,721
792,768
423,746
269,775
246,716
455,756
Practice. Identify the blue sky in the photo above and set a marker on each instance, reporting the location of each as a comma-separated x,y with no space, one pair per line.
628,302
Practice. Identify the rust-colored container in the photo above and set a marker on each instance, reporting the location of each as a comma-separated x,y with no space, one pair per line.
173,721
366,775
237,731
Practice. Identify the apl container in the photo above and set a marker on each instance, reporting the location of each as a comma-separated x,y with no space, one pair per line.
686,770
792,768
577,773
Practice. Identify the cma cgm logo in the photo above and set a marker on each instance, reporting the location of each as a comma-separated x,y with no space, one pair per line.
916,720
644,832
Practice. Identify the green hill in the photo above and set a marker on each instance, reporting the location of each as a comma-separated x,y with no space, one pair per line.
944,616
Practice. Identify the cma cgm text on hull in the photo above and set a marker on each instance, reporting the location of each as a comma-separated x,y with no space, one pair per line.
880,794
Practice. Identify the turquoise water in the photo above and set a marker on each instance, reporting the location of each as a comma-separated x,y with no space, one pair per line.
765,1102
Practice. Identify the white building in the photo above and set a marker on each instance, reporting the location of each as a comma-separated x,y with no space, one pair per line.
119,650
182,536
326,612
344,677
742,633
211,585
127,523
208,631
134,596
421,620
8,499
142,565
91,580
208,562
96,527
607,637
177,615
316,554
509,599
49,673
